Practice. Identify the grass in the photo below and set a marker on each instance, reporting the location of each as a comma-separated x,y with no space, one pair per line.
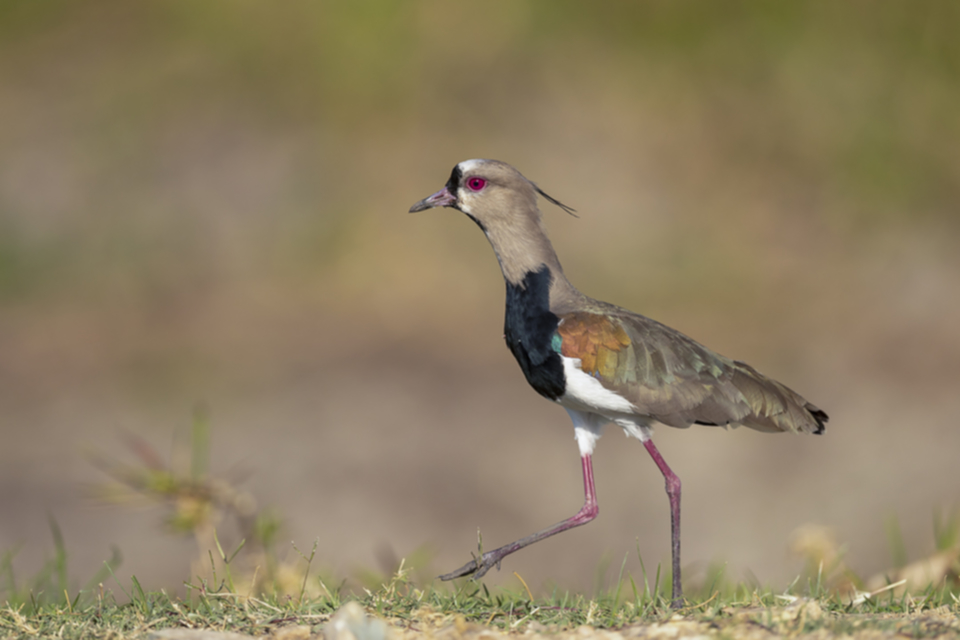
246,588
470,607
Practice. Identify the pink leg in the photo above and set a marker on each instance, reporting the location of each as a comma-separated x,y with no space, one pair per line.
479,566
673,492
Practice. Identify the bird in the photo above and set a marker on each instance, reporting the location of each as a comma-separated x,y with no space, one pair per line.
600,362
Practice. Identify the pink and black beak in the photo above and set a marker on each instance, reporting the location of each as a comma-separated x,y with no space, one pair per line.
442,198
446,197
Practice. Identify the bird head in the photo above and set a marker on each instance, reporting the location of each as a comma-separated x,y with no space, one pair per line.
490,192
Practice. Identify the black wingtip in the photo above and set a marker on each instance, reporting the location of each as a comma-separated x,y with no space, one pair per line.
820,416
569,210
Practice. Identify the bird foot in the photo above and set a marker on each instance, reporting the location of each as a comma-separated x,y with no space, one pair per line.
476,568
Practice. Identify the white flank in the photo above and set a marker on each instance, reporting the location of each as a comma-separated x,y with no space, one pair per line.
591,405
634,429
586,393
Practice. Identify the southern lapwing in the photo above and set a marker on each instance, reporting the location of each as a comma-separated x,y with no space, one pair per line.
600,362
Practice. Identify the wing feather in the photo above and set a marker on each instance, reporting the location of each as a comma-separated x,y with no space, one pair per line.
676,380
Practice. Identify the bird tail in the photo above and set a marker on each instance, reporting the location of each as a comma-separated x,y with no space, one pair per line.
774,406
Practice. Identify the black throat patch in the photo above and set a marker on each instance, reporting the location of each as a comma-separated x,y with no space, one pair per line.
529,327
454,182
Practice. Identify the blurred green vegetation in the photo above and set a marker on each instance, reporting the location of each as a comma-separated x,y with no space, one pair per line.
154,148
247,567
238,553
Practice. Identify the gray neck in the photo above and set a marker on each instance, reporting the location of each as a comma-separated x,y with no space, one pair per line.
522,249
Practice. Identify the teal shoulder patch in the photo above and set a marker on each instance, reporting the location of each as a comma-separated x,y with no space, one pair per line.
557,342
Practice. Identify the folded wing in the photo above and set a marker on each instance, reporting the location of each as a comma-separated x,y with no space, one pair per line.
677,381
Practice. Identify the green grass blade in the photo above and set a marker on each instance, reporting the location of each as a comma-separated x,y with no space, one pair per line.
116,559
616,595
114,576
60,555
898,549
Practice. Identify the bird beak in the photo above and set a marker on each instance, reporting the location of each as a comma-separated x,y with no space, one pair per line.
442,198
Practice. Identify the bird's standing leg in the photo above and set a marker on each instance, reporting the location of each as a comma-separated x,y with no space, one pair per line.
673,492
479,566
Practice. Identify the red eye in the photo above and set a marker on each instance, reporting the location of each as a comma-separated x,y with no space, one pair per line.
476,184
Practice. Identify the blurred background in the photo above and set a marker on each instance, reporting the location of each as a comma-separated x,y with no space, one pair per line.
205,204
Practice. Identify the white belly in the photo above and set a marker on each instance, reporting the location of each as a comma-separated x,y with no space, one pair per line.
590,405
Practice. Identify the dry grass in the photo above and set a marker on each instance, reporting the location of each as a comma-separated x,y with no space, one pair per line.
250,591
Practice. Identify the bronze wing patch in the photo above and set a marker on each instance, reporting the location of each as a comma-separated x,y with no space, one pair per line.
599,342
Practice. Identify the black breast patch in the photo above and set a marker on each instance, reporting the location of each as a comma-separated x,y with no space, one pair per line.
529,327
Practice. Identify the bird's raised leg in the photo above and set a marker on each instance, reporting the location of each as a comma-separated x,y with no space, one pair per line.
673,492
479,566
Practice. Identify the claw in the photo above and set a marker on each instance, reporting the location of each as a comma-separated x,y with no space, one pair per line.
477,567
465,570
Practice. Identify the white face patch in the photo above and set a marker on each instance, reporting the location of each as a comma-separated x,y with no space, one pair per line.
464,197
468,165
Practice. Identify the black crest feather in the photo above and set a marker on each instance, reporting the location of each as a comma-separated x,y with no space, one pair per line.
569,210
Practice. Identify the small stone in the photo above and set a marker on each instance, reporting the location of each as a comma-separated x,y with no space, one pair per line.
296,632
195,634
351,622
536,626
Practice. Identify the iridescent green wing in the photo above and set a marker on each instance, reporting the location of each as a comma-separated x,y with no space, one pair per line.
674,379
